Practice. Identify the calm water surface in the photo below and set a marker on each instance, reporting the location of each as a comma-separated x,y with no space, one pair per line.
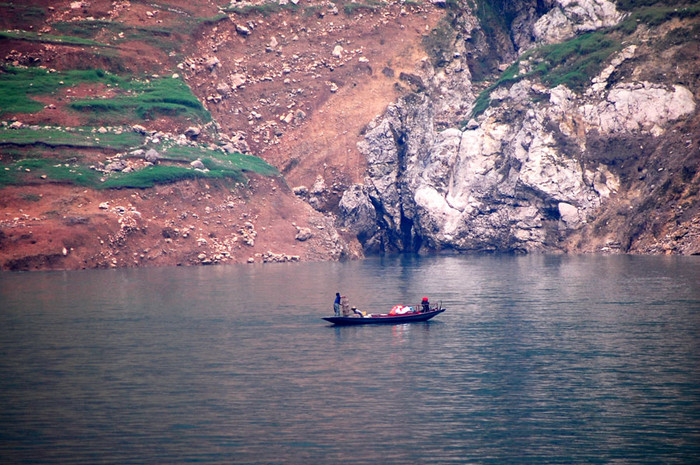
538,359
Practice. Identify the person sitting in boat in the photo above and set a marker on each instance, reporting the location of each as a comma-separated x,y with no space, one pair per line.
425,305
359,313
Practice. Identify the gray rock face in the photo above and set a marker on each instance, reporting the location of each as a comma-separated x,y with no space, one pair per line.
570,17
518,177
360,217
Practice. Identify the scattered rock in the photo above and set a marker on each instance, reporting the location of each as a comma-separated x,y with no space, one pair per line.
192,132
303,234
223,89
237,80
118,165
301,191
211,63
243,30
152,156
139,129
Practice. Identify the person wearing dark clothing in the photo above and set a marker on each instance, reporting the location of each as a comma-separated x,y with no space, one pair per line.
336,304
425,305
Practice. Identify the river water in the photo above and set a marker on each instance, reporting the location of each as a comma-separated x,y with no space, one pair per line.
538,359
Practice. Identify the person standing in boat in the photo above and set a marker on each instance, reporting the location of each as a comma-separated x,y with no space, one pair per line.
336,304
425,305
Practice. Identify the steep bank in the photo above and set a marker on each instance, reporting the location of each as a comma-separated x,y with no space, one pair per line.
294,84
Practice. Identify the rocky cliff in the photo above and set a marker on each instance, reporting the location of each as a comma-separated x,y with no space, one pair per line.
587,141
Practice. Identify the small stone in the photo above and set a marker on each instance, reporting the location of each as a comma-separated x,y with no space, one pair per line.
152,156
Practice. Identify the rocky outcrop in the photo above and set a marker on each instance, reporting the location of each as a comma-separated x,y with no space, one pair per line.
525,174
569,17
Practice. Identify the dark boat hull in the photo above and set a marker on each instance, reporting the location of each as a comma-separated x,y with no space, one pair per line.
384,319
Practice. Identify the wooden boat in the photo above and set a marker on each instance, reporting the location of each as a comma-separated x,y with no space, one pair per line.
384,318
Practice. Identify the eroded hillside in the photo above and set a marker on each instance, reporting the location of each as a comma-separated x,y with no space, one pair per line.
151,159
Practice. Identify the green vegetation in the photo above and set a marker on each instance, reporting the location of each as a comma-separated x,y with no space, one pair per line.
157,36
655,16
572,63
48,38
152,175
136,98
65,166
76,137
18,85
483,101
145,99
41,153
575,62
32,169
630,5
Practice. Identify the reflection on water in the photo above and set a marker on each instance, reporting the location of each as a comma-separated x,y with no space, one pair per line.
539,359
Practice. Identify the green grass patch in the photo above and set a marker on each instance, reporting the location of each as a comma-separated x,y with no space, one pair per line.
30,170
77,137
160,37
146,99
174,166
572,63
218,166
150,176
49,39
216,159
575,62
19,85
483,101
137,99
631,5
655,16
8,177
249,163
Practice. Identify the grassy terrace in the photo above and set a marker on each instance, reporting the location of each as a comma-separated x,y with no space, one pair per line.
575,62
47,153
41,153
49,38
25,162
135,98
84,138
